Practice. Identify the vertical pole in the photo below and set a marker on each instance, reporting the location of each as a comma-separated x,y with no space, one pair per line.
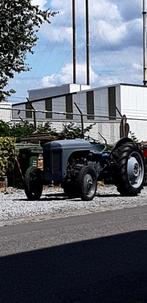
144,43
74,40
34,113
82,120
87,43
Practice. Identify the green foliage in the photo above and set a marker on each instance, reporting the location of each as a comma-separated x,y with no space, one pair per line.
46,129
88,128
21,130
7,155
71,130
4,129
19,23
133,137
16,130
7,141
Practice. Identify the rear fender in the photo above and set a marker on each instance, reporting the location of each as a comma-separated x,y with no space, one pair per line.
122,141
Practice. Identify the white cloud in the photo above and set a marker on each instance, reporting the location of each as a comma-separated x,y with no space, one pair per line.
41,3
61,24
129,9
104,10
106,80
61,5
111,33
137,67
123,65
115,42
57,34
65,76
134,33
103,77
108,26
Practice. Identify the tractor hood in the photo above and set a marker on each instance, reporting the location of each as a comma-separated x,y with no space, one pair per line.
68,144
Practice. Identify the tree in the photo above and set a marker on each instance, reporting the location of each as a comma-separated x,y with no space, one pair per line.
19,24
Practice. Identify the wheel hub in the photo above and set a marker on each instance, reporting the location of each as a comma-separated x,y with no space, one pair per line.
88,182
135,170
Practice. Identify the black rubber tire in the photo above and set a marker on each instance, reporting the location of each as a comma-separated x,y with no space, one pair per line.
145,178
33,184
87,183
121,157
70,189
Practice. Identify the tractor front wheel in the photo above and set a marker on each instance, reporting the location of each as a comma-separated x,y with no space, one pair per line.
33,184
70,189
87,183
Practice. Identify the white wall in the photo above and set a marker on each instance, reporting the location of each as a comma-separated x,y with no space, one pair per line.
134,106
101,103
15,115
109,129
49,92
58,105
40,106
80,100
5,111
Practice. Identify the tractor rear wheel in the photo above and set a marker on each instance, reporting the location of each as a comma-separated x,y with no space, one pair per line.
129,168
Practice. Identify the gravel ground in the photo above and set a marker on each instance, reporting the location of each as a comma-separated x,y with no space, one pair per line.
15,208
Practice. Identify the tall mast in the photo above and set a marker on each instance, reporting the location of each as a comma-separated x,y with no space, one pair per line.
74,40
87,42
145,42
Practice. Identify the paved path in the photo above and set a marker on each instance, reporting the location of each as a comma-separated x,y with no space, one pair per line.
94,258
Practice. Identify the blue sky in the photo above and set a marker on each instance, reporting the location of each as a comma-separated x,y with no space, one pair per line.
115,46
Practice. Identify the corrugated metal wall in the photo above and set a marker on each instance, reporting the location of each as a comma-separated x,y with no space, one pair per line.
99,103
134,106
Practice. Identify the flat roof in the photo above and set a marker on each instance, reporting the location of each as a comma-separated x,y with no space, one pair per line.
81,91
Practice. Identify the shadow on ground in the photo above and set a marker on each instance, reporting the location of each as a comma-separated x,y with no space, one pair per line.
110,269
62,196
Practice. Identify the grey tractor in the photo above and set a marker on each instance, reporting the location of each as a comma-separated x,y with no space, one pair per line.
78,164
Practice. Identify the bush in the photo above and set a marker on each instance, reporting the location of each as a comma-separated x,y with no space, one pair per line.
4,129
21,130
7,155
16,130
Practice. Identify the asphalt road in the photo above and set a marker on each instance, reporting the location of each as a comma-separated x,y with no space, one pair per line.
94,258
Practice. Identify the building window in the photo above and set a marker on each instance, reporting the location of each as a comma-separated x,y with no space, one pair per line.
28,111
69,107
90,105
112,102
48,107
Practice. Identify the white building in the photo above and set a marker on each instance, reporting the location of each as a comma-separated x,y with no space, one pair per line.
5,111
133,101
100,106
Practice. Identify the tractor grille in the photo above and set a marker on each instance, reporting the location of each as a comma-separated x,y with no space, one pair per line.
56,163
